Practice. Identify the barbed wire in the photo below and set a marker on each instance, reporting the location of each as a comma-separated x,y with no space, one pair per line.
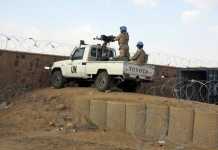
197,90
161,58
30,44
33,45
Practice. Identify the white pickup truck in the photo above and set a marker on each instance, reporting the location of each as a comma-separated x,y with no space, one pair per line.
85,64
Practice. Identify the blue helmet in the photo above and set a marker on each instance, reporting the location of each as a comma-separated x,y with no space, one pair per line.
140,45
123,29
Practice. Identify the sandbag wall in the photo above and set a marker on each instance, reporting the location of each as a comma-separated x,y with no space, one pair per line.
181,125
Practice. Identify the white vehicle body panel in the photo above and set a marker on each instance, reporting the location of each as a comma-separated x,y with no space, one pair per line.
112,67
86,69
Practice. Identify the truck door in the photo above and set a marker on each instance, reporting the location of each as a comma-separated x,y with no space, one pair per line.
76,67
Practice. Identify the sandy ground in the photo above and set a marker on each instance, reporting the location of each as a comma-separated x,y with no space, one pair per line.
46,120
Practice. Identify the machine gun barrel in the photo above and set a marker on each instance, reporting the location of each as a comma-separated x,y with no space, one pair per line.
106,39
97,38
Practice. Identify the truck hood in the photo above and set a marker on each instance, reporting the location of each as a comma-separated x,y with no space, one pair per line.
60,63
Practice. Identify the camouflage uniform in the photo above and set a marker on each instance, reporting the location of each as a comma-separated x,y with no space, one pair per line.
123,40
140,57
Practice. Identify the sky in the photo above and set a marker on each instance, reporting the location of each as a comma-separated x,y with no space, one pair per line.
184,28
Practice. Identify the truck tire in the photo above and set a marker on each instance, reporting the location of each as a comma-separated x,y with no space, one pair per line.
57,79
102,82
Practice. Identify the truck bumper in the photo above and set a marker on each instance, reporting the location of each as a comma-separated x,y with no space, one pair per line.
49,69
129,77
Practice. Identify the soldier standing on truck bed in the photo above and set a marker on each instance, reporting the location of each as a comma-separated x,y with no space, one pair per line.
123,40
140,57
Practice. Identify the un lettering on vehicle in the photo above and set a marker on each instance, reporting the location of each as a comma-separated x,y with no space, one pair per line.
74,69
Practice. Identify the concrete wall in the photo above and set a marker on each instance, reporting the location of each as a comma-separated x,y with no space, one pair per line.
167,71
20,71
25,68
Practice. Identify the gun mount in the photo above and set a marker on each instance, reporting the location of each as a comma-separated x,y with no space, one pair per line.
103,51
106,39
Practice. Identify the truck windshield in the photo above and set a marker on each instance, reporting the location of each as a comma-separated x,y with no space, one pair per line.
78,54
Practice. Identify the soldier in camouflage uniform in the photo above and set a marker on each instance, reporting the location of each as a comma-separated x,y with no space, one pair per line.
140,57
123,40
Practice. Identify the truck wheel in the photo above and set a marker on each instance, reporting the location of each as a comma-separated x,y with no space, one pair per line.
102,81
57,79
